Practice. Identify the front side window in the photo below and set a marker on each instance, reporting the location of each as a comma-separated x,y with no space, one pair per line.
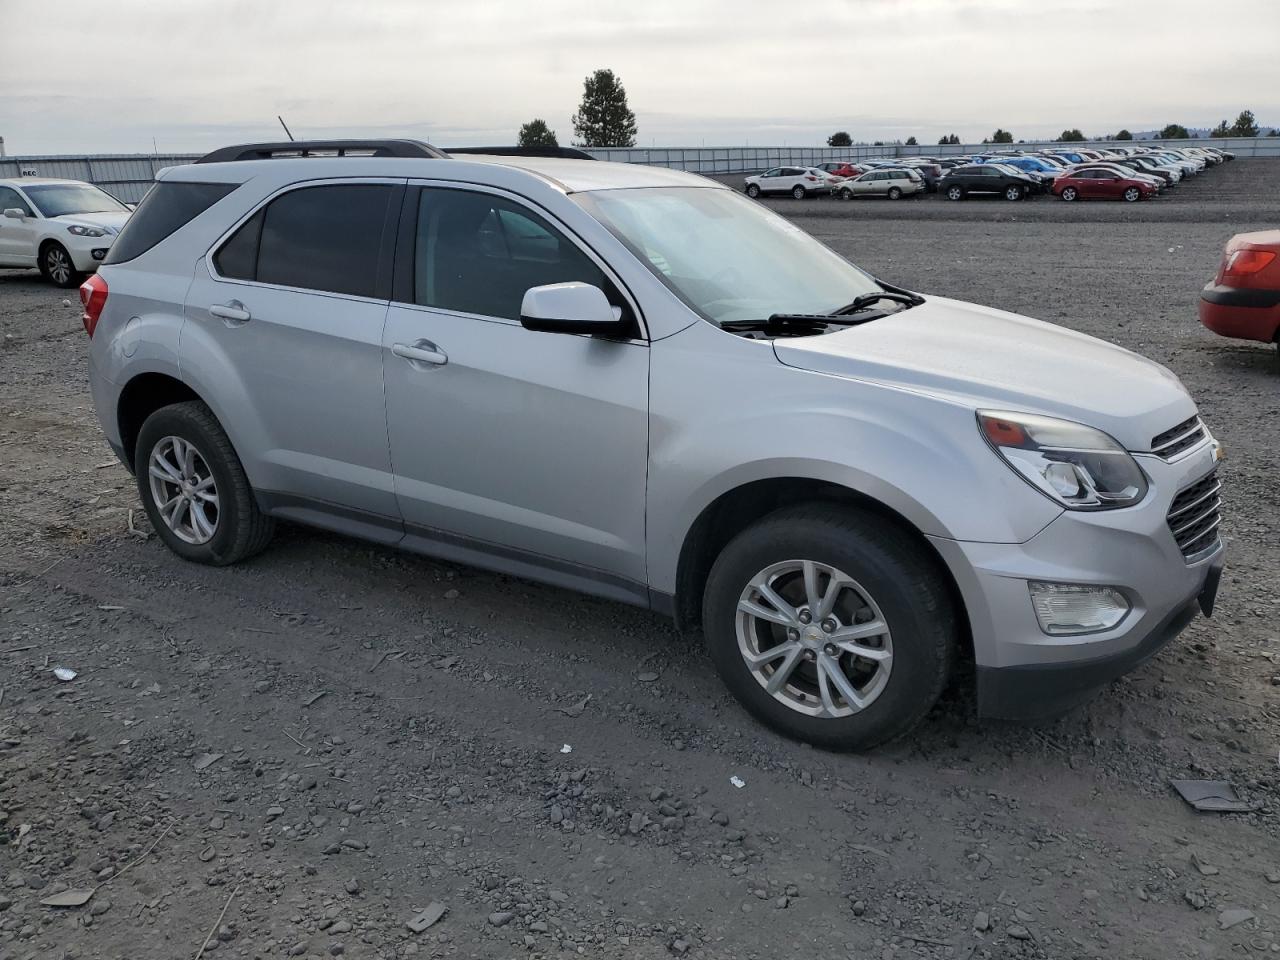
479,253
326,238
726,257
10,198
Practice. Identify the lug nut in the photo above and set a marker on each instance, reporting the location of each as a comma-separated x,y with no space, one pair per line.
810,655
829,625
830,650
793,634
806,616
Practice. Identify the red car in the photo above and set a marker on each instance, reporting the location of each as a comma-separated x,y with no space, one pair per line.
1243,300
840,168
1091,184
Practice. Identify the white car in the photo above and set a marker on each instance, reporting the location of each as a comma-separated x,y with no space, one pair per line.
800,182
891,182
64,227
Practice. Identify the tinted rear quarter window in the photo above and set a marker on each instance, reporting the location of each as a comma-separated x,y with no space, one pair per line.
168,205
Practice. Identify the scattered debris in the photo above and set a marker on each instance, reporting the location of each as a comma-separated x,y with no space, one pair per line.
1233,918
435,910
140,534
385,656
110,607
21,839
1206,869
76,898
647,677
1197,899
206,760
566,749
501,918
218,923
737,781
1213,796
981,921
575,709
65,674
313,698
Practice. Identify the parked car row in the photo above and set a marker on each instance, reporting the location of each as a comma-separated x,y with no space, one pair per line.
1129,173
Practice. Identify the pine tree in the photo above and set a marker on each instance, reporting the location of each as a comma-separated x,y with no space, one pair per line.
536,133
603,118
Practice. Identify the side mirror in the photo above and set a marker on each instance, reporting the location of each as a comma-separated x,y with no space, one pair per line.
570,308
15,213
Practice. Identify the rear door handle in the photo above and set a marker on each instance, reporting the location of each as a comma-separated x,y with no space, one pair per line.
231,311
421,351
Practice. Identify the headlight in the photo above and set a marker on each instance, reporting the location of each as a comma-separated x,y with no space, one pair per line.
1074,465
80,231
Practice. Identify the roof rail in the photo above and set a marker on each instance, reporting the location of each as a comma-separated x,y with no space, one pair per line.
311,148
568,153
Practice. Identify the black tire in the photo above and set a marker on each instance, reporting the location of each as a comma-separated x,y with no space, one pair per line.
895,193
1132,195
906,583
1013,193
241,530
1069,194
753,190
57,267
955,193
846,194
799,192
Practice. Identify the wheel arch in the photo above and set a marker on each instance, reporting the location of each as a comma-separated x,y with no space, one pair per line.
735,509
142,396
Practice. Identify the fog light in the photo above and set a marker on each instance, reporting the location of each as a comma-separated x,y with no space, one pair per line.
99,253
1067,608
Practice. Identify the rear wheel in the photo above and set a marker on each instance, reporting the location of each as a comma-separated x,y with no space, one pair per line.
830,625
799,192
1013,193
56,265
895,193
955,193
753,191
1069,194
194,489
1132,194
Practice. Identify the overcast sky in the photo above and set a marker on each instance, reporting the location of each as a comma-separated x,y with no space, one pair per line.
105,77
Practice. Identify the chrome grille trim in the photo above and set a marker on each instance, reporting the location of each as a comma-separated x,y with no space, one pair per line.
1195,515
1178,438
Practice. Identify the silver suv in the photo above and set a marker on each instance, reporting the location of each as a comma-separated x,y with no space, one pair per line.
635,383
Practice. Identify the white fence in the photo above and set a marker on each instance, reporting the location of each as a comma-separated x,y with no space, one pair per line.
127,176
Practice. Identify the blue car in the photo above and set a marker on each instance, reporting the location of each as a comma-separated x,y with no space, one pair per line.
1032,165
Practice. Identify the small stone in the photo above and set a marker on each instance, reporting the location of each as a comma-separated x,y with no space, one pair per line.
780,903
636,824
451,594
656,794
298,949
859,908
226,934
720,818
100,907
559,896
273,812
1273,876
557,815
680,947
1196,899
501,918
352,886
340,926
1232,918
1018,932
981,921
538,926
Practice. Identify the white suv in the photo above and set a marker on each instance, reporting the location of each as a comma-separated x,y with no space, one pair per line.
800,182
636,383
64,227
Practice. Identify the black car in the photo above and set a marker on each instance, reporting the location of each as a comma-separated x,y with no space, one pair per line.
1142,165
988,178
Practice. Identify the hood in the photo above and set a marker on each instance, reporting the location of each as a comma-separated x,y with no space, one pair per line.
990,359
108,220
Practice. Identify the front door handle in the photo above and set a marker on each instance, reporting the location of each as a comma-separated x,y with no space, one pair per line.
234,311
421,351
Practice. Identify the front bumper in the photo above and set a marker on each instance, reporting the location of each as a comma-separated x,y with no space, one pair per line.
87,253
1024,672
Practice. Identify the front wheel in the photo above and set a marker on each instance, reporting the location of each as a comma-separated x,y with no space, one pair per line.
955,193
753,191
194,488
57,267
831,625
1013,193
846,194
895,193
799,192
1070,194
1132,194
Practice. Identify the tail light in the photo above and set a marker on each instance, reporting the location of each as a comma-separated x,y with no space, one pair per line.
814,179
93,295
1244,263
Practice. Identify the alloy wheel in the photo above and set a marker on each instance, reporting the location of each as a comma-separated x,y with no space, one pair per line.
184,491
59,264
814,638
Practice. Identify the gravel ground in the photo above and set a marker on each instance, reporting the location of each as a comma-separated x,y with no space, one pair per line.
299,754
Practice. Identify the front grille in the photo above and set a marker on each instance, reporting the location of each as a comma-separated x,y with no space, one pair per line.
1176,439
1194,516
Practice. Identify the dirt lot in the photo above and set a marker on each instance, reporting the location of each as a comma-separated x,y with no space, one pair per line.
326,740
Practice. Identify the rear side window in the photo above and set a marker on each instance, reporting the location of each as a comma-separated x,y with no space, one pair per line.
326,238
168,205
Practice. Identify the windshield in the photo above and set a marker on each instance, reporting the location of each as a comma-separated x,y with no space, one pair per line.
59,199
727,257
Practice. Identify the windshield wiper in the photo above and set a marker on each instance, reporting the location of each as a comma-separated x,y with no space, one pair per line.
797,324
867,299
